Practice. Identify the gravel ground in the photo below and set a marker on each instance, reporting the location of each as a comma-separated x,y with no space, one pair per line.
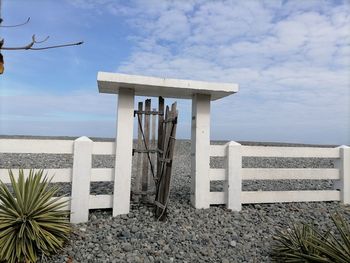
188,235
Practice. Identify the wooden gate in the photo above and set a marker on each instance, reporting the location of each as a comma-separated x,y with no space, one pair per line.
154,154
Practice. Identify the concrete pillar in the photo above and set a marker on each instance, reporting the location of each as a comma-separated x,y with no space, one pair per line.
200,147
123,160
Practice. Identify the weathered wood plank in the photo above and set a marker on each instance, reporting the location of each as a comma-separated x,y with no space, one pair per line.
146,131
153,146
161,183
139,155
164,187
160,132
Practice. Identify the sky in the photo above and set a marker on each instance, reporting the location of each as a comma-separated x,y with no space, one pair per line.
291,60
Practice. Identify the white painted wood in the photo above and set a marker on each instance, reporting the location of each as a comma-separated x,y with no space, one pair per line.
94,201
101,148
57,175
68,204
257,197
302,152
124,140
200,150
344,167
100,201
81,180
102,175
290,173
338,184
36,146
234,178
218,150
217,198
154,87
218,174
279,174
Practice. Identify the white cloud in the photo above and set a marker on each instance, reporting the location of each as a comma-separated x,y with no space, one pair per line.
291,59
294,57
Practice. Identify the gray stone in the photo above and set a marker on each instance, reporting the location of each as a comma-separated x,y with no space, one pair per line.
188,235
127,247
233,243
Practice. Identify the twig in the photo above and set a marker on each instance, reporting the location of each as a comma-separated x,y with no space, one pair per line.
22,24
34,41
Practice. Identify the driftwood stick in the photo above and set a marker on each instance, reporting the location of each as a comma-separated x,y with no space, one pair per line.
170,156
139,156
163,189
161,182
160,134
145,168
153,146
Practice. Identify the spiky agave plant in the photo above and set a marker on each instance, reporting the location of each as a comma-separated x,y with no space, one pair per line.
32,221
303,243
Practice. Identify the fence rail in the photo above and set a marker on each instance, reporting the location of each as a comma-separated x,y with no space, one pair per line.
273,151
233,174
51,146
259,197
64,175
289,152
219,174
80,175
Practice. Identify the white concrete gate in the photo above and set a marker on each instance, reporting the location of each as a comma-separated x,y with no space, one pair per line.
201,93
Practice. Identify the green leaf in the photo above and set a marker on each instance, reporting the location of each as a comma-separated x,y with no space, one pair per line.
305,244
30,218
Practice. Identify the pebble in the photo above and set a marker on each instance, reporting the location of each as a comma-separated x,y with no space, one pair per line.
188,235
127,247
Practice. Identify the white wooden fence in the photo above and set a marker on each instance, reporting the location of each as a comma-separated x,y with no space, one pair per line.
233,174
82,173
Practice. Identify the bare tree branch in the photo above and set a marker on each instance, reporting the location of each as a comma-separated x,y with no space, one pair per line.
26,22
42,41
58,46
30,46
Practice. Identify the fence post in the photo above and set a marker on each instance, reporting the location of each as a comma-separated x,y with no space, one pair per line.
234,178
81,180
200,148
123,152
344,168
